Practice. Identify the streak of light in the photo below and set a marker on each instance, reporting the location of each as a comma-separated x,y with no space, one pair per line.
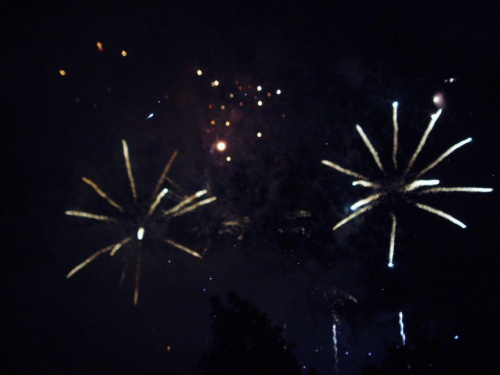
443,156
129,170
440,213
434,118
344,170
88,215
393,240
335,348
370,148
182,247
402,328
98,190
352,216
395,136
367,200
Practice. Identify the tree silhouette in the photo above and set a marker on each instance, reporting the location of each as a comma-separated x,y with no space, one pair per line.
245,342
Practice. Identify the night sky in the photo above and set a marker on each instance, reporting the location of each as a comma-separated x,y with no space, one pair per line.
282,85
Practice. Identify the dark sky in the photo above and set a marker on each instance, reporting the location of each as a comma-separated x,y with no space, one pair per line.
335,66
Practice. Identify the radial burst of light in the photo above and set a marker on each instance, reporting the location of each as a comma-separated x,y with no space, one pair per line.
401,185
139,221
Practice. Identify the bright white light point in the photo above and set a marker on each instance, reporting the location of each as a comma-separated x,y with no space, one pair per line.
259,134
259,88
228,158
228,123
199,72
456,337
278,92
259,103
390,265
149,116
140,233
215,83
221,146
395,105
438,100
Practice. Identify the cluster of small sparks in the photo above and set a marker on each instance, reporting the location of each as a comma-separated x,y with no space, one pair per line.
399,185
233,102
138,220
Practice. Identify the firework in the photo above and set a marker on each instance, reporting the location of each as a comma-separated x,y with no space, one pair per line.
402,329
401,186
137,220
335,348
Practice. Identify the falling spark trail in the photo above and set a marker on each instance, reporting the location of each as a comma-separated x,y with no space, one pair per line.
194,206
88,215
156,202
137,277
367,200
443,156
402,328
366,184
186,201
419,183
440,213
393,240
352,216
434,118
370,148
395,137
456,189
335,348
344,170
181,247
102,193
89,259
164,173
129,170
120,244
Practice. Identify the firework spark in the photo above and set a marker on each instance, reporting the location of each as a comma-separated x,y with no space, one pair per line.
138,221
335,348
401,186
402,329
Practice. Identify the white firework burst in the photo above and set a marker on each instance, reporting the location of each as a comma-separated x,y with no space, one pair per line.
401,186
140,222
